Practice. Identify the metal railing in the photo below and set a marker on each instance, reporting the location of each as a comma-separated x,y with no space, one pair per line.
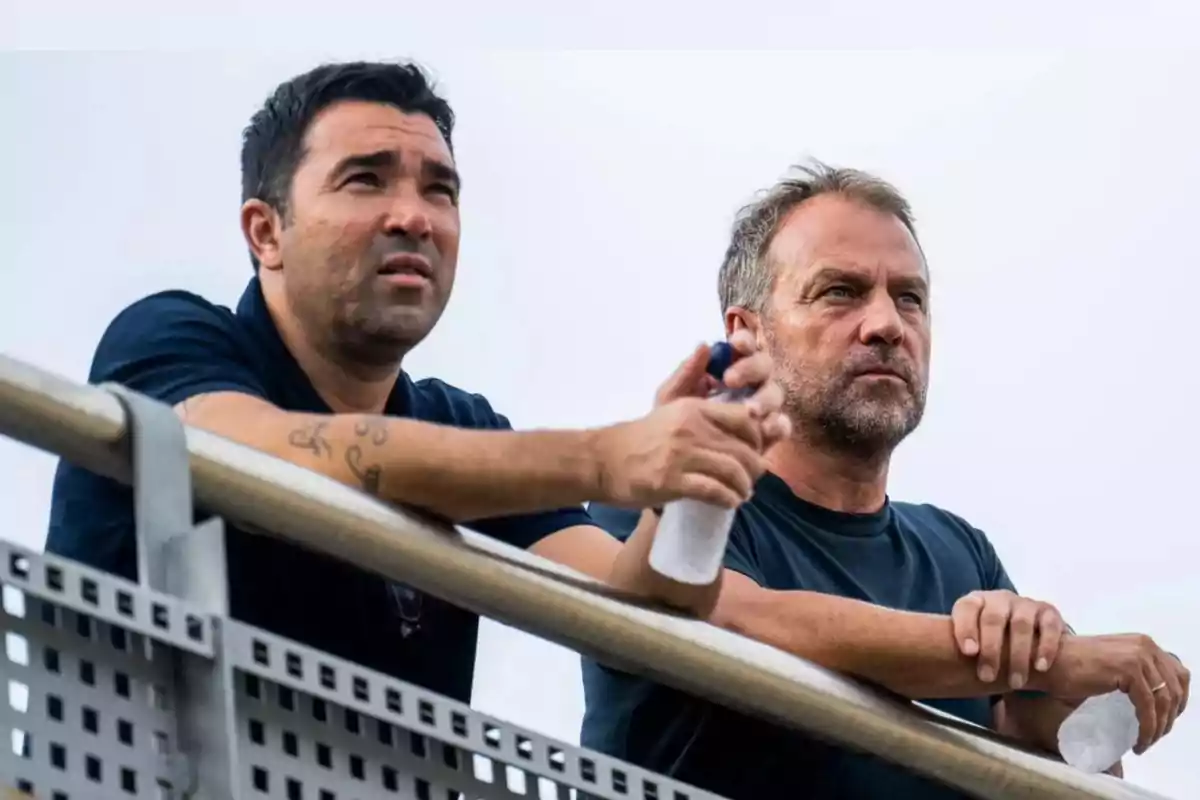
87,425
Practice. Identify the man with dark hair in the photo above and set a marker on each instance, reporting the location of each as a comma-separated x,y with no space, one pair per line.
351,216
826,271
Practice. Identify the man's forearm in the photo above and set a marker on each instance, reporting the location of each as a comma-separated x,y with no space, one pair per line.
457,473
912,654
631,572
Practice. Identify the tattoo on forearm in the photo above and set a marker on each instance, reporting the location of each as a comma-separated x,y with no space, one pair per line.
376,429
374,432
368,475
312,438
369,433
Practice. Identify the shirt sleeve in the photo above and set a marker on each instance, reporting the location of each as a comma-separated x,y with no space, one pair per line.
172,346
620,523
741,555
995,576
521,530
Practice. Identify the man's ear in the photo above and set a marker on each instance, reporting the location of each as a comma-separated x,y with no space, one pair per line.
262,227
738,318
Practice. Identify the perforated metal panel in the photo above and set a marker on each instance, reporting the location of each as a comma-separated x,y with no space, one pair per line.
101,675
89,683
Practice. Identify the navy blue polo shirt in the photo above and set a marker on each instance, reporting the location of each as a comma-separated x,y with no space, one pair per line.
911,557
175,345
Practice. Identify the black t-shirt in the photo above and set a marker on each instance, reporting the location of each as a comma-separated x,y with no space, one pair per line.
175,345
911,557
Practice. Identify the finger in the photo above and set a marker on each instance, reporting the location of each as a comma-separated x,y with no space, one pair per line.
686,378
1146,705
1022,630
697,486
726,469
1050,632
1160,694
1185,682
767,400
750,371
964,617
732,419
776,428
993,626
1174,691
743,342
733,463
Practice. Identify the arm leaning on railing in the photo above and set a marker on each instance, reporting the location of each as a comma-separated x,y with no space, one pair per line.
86,424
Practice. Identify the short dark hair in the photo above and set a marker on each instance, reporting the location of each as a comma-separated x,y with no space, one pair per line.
273,142
746,277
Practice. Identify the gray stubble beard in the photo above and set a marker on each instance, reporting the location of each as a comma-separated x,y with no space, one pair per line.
847,417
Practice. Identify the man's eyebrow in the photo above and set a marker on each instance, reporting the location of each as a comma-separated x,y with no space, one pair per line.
440,170
912,283
857,278
380,159
830,273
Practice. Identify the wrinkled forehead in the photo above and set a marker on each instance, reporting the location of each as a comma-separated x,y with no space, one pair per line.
355,127
834,231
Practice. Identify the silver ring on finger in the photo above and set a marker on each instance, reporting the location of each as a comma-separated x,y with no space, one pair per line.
1158,688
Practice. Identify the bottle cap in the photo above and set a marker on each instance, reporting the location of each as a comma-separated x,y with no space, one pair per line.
720,359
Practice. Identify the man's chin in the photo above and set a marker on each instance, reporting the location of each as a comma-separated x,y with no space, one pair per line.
404,323
872,429
385,337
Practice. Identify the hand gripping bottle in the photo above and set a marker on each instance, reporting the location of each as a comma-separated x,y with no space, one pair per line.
1098,733
690,543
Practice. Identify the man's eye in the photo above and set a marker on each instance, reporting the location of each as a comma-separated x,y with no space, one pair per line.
365,179
445,190
838,293
912,299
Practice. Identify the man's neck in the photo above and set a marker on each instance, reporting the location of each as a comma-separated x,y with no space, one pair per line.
830,480
347,387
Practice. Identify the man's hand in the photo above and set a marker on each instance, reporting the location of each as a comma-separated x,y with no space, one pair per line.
691,446
1157,682
985,622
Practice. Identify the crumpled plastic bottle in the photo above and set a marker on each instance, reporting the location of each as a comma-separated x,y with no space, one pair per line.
1099,732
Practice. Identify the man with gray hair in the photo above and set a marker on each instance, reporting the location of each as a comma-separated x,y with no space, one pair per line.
826,271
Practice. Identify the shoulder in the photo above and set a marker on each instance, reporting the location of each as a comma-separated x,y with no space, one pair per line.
172,307
438,401
928,513
928,518
174,344
932,523
171,317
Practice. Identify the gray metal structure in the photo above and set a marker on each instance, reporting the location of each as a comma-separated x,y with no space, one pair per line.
151,690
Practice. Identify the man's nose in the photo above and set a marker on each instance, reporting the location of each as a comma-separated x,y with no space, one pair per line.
881,321
408,217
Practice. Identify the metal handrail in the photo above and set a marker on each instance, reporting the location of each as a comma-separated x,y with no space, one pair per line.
87,426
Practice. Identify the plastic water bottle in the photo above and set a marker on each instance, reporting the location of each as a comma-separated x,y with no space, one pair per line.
690,543
1098,733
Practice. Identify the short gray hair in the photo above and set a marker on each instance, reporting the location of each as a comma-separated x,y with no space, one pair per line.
746,277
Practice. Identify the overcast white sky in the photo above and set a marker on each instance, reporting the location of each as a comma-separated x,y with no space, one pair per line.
1055,195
